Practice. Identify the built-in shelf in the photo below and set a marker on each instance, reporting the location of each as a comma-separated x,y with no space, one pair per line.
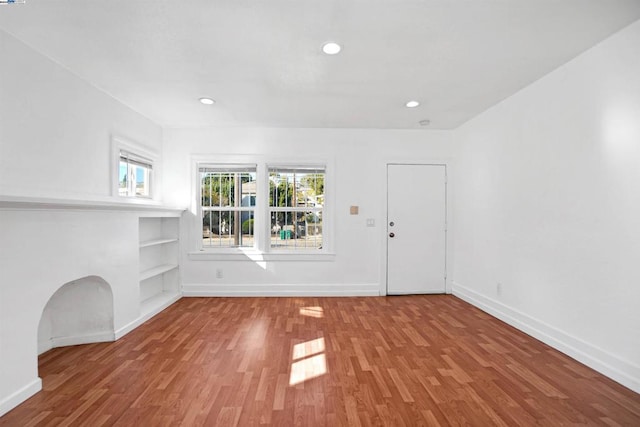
154,305
156,271
156,242
43,203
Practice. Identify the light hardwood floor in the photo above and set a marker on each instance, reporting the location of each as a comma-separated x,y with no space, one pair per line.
415,360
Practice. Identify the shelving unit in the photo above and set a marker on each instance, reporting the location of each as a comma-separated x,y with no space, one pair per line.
156,271
156,242
159,271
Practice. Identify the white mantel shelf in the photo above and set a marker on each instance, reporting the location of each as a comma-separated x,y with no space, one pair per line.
33,203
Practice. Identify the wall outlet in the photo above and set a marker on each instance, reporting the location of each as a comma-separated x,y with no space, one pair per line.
371,222
219,273
499,288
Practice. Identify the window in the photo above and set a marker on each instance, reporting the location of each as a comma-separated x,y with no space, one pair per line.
296,201
227,202
250,209
134,175
134,168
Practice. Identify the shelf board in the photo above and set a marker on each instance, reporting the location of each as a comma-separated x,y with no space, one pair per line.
105,204
156,271
154,305
156,242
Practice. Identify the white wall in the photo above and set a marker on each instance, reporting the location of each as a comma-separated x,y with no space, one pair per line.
548,205
43,250
55,128
359,160
55,132
65,322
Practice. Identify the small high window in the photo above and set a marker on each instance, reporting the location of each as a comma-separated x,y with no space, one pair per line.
134,175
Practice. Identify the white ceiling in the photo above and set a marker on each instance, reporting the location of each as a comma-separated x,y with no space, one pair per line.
262,61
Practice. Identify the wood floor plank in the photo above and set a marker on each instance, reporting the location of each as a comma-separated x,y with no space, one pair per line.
388,361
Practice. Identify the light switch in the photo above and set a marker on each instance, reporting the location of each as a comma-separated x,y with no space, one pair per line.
371,222
353,210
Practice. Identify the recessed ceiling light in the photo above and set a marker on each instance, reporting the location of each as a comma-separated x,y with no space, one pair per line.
412,104
425,122
331,48
207,101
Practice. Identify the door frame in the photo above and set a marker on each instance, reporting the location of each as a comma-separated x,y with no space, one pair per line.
447,163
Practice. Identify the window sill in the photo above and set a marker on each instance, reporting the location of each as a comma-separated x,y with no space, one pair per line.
254,256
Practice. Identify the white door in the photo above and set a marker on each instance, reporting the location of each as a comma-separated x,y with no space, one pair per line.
416,229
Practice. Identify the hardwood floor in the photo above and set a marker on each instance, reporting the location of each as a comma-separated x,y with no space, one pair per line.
417,360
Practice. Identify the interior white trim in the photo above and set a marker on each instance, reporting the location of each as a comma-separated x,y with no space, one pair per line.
17,397
257,256
120,332
382,171
39,203
55,342
596,358
281,290
119,143
263,163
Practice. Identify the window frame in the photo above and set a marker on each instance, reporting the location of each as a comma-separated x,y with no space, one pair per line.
230,168
138,154
261,251
270,209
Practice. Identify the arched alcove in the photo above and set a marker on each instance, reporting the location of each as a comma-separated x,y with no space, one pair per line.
79,312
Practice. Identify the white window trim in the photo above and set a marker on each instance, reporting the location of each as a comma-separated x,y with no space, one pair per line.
326,244
119,144
211,160
256,216
261,250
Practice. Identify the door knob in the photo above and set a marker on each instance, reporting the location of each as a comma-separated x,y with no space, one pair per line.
392,235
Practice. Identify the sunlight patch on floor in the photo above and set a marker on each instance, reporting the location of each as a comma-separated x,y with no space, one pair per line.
311,361
316,312
308,348
307,369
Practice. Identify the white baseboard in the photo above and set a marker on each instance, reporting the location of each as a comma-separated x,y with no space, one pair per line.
600,360
16,398
44,346
281,290
74,340
128,328
148,312
160,303
13,400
